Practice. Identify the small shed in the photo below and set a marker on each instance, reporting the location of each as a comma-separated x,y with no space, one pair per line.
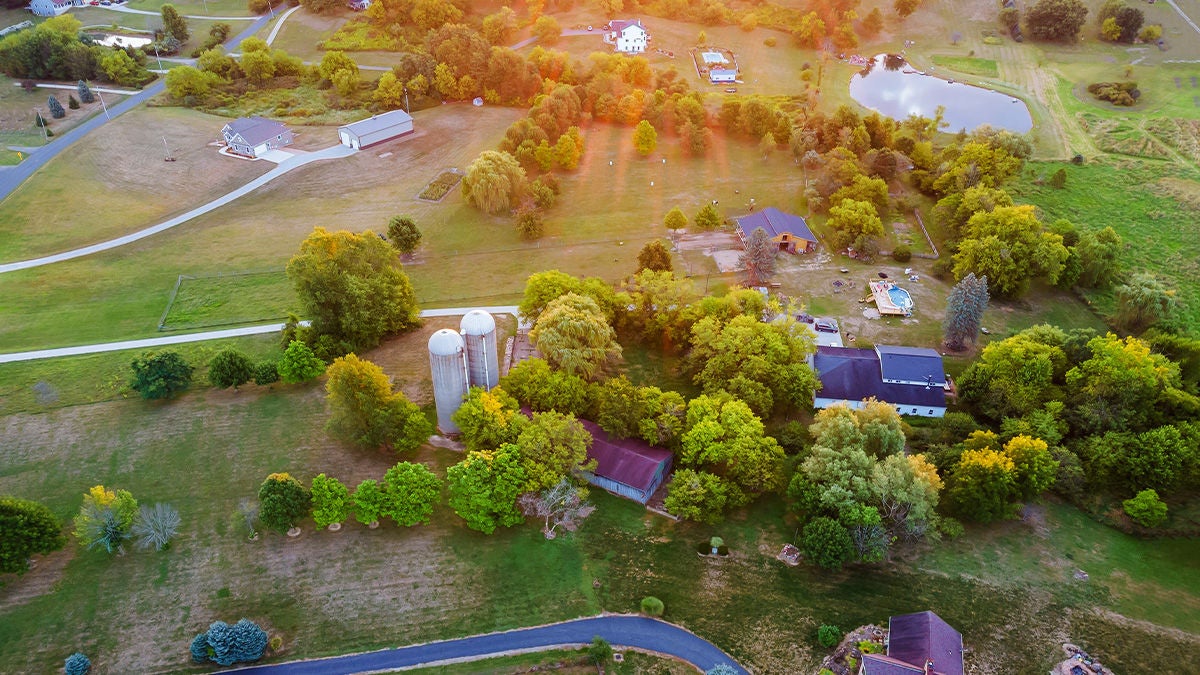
627,467
789,231
722,76
376,129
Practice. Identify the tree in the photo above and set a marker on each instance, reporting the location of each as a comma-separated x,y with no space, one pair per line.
330,501
856,225
530,224
574,335
675,220
547,30
1055,20
484,487
1128,21
77,664
389,91
905,490
654,256
365,410
56,109
763,364
553,446
758,257
568,150
600,652
27,528
230,368
368,501
1146,509
257,66
174,24
105,518
698,495
353,290
1099,257
984,486
829,635
723,436
872,23
543,288
1035,467
560,505
827,543
186,81
964,311
410,493
1150,34
542,389
494,181
283,501
1144,301
266,373
72,102
299,363
155,526
1011,247
489,419
403,234
158,375
1014,377
335,61
85,92
1120,387
864,189
226,645
708,218
498,28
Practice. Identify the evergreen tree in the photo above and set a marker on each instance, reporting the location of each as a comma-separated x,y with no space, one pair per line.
85,92
77,664
758,258
56,109
39,120
964,311
174,24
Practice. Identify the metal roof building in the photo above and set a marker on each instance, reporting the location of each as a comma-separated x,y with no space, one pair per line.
918,643
849,376
376,129
628,467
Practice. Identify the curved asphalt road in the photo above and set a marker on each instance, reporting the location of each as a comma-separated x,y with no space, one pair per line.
620,631
12,177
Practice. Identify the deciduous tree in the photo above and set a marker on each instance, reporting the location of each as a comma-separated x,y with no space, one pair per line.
761,363
299,363
984,486
403,234
1055,20
708,218
543,389
410,493
484,488
723,436
365,410
561,505
1144,301
827,543
699,496
574,335
1035,467
159,375
1146,509
489,419
547,30
368,501
105,518
553,446
1010,246
654,256
330,501
230,368
283,502
645,138
856,225
675,219
494,182
174,24
27,528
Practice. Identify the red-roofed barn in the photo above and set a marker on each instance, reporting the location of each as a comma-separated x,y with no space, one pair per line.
628,467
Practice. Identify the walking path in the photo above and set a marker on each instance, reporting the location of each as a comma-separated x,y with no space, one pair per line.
120,8
185,338
12,177
1186,18
279,24
295,161
620,631
75,87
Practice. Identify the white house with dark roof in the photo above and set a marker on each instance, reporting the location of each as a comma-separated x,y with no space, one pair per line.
376,129
911,379
255,136
628,36
49,7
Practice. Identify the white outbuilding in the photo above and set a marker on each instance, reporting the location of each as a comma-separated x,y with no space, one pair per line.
376,129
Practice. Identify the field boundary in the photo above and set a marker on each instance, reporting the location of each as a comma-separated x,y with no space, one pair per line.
179,281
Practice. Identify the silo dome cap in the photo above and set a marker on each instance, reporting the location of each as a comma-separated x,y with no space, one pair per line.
446,342
477,322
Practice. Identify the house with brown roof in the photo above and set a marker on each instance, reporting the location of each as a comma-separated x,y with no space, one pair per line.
255,136
627,467
918,644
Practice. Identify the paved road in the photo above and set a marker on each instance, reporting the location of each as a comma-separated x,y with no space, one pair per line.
14,176
294,162
126,10
620,631
168,340
279,24
74,87
1186,18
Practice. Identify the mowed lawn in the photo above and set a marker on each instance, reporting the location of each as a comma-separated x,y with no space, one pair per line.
1007,587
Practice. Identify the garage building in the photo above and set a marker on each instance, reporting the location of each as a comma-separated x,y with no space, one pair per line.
376,129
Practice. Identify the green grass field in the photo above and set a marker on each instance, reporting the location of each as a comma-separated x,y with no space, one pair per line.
210,301
967,64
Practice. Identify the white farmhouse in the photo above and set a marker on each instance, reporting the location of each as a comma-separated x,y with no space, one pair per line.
49,7
629,36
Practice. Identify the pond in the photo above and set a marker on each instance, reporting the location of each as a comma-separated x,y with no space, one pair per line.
894,88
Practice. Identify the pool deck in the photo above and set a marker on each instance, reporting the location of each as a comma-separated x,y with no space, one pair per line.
883,301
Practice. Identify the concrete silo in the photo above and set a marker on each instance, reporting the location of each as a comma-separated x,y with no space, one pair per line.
479,332
448,363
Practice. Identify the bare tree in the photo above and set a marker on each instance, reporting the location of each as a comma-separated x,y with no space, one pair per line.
562,505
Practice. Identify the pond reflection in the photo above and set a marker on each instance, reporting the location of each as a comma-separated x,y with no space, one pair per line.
898,90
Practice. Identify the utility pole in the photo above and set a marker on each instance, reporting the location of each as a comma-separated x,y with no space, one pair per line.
406,108
157,56
37,115
102,105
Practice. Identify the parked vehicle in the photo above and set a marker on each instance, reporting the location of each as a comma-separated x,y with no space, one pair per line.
826,326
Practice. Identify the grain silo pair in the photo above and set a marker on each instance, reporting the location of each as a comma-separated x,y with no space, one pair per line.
459,362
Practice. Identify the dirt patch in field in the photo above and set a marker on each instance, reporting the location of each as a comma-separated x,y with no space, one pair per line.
46,573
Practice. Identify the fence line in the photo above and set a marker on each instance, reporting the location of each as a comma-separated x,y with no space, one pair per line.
921,222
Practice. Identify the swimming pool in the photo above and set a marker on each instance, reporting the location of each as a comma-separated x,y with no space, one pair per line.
900,298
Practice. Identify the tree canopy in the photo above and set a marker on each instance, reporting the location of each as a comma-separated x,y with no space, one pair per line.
365,410
575,336
27,528
484,488
1055,20
1010,246
494,182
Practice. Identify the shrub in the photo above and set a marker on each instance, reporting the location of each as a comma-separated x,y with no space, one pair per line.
829,635
266,373
770,42
1117,93
160,375
600,652
226,645
530,225
72,102
283,501
1146,509
230,368
950,528
77,664
869,647
652,606
902,253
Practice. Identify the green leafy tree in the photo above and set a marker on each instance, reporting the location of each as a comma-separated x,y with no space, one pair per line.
1035,468
257,66
283,502
856,225
368,501
1120,387
410,493
484,488
353,289
575,336
547,30
77,664
553,446
174,24
403,234
230,368
675,219
827,543
266,373
1014,377
976,163
543,389
829,635
708,218
1010,246
1099,257
1055,20
543,288
1144,301
105,518
330,501
867,533
645,138
494,182
27,528
158,375
186,81
698,495
659,309
723,436
155,526
1146,509
389,91
964,311
530,224
600,652
652,606
498,28
365,410
654,256
489,419
905,490
335,61
758,257
761,363
984,486
299,364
